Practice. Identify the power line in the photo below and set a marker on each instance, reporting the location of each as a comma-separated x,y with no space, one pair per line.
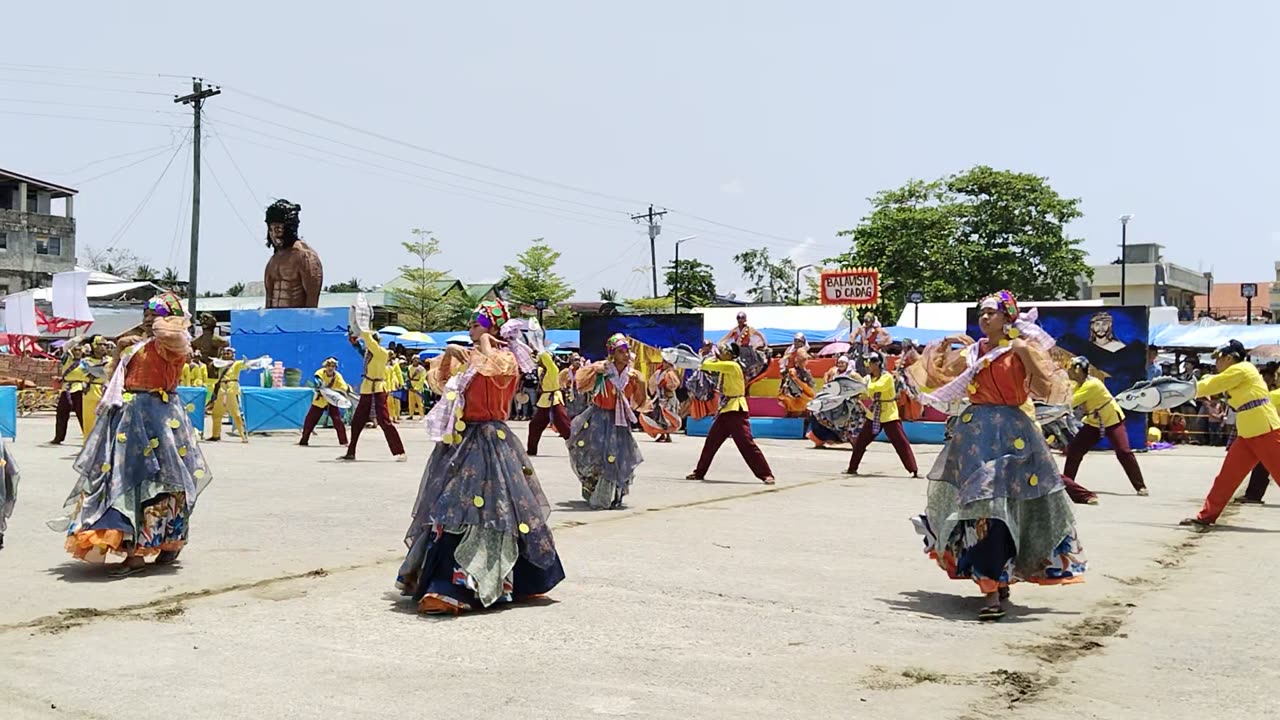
447,156
27,67
227,197
145,199
401,159
86,166
234,164
431,182
183,199
654,228
121,108
78,86
85,117
124,167
199,93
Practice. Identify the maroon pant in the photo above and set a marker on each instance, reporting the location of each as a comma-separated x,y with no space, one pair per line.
554,415
897,437
313,417
375,403
1088,437
68,403
1258,483
736,425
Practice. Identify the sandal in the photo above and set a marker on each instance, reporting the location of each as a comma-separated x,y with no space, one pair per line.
991,613
1243,500
126,569
167,557
693,476
1196,524
767,480
1143,492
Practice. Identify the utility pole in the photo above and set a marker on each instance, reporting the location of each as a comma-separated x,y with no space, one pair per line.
654,229
196,100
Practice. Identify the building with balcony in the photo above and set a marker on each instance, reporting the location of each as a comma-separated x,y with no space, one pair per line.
1149,280
37,232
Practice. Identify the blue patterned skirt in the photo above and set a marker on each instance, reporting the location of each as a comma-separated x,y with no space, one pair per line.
604,456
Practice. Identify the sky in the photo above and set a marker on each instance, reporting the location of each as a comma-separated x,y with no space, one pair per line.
756,124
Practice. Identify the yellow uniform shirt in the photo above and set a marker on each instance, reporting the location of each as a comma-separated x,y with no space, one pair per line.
418,378
1243,384
231,376
1100,408
336,382
375,366
73,376
733,387
549,395
884,393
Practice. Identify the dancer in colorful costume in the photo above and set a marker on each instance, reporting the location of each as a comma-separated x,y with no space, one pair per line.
822,432
1102,416
373,396
1257,426
226,398
550,406
752,348
141,469
602,451
479,534
416,376
326,378
704,388
95,369
663,415
883,394
796,389
733,420
998,511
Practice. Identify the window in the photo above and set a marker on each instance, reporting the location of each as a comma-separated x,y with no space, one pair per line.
4,241
48,246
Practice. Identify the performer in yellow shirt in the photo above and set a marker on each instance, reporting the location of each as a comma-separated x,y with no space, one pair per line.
326,377
395,386
373,396
550,408
226,399
71,394
733,420
417,388
1102,416
883,393
195,373
95,368
1257,425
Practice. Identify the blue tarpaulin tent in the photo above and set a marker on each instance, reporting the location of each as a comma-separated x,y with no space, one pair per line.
1211,336
299,338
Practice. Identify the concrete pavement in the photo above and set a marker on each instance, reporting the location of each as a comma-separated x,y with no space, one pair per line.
700,600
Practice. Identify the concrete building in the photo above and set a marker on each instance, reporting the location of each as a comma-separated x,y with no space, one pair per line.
1226,305
1150,280
37,232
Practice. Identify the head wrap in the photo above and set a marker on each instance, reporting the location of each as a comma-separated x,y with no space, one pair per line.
1081,363
492,314
330,362
742,316
287,213
166,304
615,341
874,357
799,336
99,341
1003,302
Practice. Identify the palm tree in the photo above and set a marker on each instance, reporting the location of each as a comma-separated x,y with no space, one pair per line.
144,272
235,290
170,277
608,295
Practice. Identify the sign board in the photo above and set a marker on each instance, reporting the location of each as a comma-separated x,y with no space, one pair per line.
859,286
1248,291
915,297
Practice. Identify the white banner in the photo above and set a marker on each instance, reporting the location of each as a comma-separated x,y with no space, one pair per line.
20,314
71,296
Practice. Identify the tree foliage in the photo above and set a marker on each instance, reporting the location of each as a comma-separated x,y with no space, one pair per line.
144,273
113,261
456,309
696,281
235,290
608,295
960,237
534,278
771,280
350,286
647,305
416,302
170,277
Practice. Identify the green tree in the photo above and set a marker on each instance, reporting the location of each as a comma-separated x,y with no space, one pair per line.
143,273
417,301
169,277
648,305
235,290
608,295
534,278
351,286
456,309
966,235
771,280
695,280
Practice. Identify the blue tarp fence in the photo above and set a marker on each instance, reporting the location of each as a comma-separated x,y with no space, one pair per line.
194,400
299,338
9,411
268,409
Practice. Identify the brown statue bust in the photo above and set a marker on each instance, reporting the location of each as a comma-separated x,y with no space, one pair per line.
209,344
294,275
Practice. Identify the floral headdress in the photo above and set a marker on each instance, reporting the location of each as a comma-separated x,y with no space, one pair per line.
166,304
615,341
492,314
1003,302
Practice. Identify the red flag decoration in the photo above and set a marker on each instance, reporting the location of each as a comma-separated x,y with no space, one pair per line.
55,325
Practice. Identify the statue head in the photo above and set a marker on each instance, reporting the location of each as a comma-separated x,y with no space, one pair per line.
208,322
282,224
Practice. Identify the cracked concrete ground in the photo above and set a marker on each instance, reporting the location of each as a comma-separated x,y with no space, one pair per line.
708,599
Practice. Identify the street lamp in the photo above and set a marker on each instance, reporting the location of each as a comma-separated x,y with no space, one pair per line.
798,271
1124,245
675,291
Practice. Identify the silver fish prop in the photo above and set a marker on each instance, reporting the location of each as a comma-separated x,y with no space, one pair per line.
1163,393
839,391
682,357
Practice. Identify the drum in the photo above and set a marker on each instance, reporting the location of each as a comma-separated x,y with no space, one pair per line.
336,398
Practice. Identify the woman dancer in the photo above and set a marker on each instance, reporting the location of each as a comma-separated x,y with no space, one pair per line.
733,420
703,387
664,416
796,389
141,469
883,393
998,512
820,434
1102,416
602,452
479,534
95,368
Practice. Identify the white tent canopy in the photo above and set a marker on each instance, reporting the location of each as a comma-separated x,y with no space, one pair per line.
953,316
